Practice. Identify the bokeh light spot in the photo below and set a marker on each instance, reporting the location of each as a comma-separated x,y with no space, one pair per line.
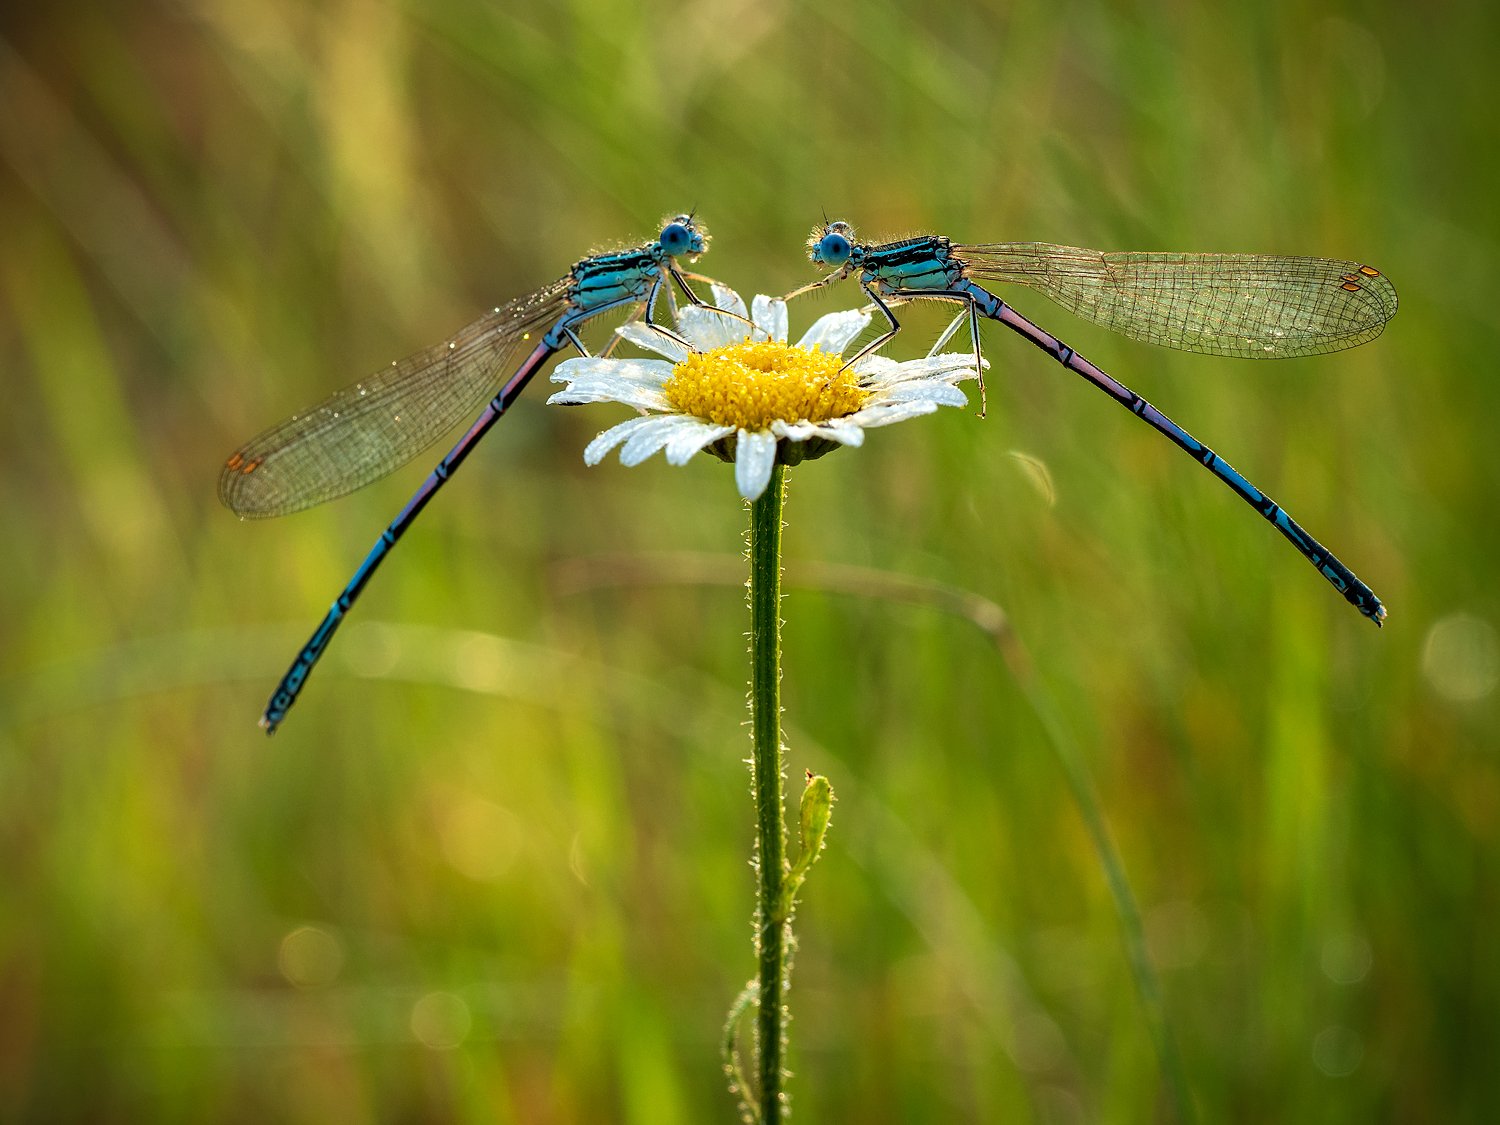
480,839
441,1021
1346,958
1337,1051
310,957
1461,657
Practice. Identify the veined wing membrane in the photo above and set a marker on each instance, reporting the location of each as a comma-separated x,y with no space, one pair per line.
1252,306
368,429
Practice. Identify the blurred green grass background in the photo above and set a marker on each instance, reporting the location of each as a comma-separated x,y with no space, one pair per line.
495,866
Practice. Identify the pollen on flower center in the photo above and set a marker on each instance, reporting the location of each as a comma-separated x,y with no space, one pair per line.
749,385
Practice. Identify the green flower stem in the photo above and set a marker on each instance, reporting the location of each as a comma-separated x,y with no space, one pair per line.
772,925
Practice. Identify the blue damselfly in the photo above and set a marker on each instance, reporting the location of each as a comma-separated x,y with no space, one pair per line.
1247,305
366,430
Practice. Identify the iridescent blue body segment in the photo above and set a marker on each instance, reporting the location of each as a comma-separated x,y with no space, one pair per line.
366,430
1245,305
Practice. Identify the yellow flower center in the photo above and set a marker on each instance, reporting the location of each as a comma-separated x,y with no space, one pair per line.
750,385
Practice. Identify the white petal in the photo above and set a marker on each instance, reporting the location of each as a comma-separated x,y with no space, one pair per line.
596,450
652,340
874,369
832,431
605,385
604,388
648,439
769,315
754,457
689,440
954,365
845,432
889,414
836,331
951,362
571,368
641,372
795,431
925,390
707,329
727,298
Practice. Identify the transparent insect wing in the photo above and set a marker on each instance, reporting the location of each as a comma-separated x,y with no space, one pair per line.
370,428
1243,305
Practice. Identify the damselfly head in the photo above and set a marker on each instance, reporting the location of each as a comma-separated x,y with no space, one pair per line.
831,244
682,234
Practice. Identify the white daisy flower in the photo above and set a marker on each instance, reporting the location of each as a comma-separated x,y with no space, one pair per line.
753,398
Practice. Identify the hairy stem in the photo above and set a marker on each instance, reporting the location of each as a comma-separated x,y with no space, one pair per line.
772,926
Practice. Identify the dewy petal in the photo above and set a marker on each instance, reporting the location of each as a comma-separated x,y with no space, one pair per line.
754,456
834,430
570,368
727,299
604,388
889,413
874,370
836,331
708,328
878,370
646,440
597,449
769,315
924,390
841,430
642,372
644,336
689,440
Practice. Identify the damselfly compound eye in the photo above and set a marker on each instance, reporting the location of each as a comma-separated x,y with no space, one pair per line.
833,249
677,238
